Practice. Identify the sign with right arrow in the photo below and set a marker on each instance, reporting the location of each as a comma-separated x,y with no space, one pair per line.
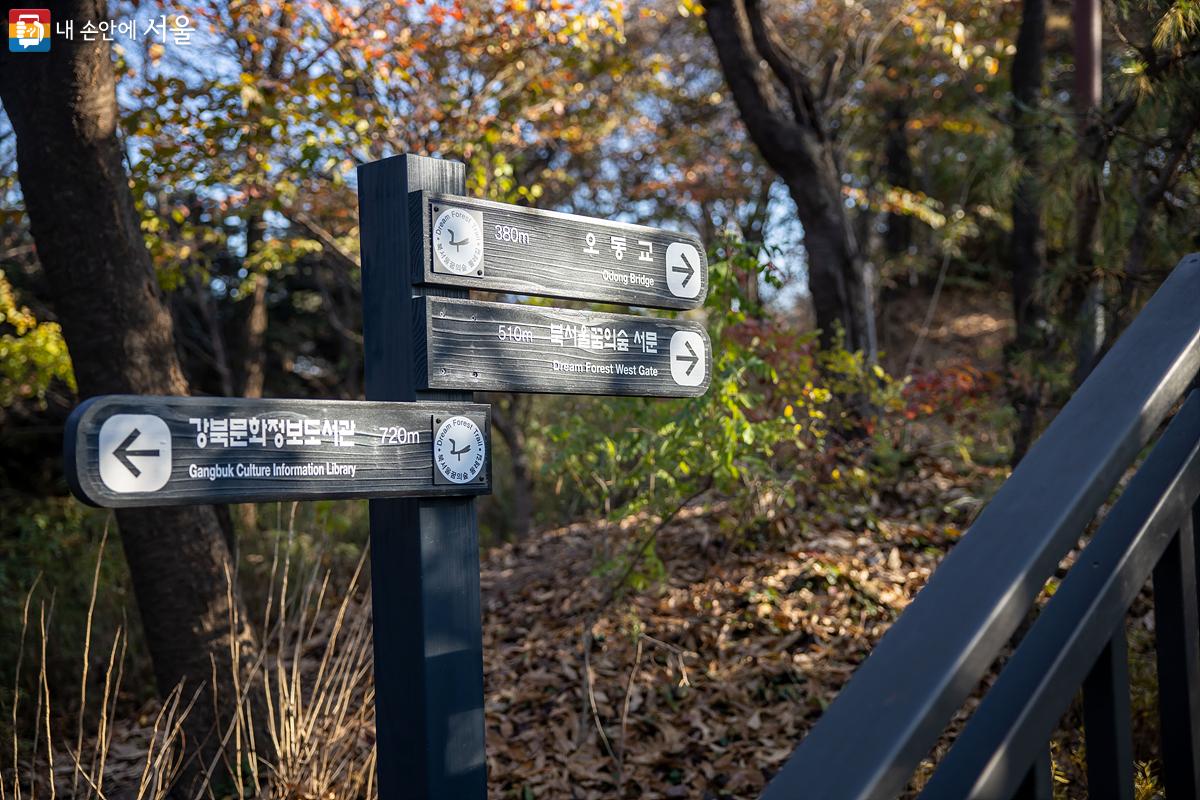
500,247
462,242
514,348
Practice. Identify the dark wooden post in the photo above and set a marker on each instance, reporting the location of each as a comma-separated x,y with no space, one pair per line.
424,552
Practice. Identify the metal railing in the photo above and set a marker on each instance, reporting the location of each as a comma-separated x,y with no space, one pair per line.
893,711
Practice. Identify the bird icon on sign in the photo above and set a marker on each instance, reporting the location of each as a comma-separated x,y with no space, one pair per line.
458,463
458,241
455,450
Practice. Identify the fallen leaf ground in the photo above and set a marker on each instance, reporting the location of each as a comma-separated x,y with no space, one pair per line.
701,686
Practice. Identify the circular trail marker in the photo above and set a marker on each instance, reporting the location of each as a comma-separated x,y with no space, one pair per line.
458,241
459,450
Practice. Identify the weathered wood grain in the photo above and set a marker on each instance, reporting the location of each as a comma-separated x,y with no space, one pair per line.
545,253
429,725
384,460
512,348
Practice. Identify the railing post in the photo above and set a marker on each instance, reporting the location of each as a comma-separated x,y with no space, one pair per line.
1106,721
1039,781
1177,629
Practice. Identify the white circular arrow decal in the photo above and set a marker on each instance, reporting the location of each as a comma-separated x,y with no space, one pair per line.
687,358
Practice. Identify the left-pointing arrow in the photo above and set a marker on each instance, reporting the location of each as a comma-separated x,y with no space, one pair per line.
123,453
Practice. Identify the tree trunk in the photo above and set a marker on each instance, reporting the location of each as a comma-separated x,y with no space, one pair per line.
1183,127
210,317
507,419
1027,254
63,108
254,349
899,176
1088,293
754,232
254,331
254,366
792,139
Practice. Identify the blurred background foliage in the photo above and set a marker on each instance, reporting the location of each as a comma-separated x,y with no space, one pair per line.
241,149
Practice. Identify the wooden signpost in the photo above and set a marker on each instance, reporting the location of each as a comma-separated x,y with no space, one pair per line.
513,348
424,245
478,244
418,447
131,451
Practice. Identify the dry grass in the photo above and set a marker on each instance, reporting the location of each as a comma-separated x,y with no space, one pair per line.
312,686
82,768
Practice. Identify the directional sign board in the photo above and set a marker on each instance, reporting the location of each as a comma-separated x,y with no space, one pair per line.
507,248
125,450
502,347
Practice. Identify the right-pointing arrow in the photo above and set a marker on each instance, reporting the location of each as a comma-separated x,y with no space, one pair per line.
123,453
688,268
691,360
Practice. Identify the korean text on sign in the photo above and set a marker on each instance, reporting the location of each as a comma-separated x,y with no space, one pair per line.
254,431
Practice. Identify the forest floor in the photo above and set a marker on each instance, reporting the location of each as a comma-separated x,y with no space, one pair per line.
700,682
702,685
698,685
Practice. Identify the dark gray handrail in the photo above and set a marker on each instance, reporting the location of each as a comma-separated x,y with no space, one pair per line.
1018,715
870,740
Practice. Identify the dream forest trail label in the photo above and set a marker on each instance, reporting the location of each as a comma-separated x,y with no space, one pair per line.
130,451
513,348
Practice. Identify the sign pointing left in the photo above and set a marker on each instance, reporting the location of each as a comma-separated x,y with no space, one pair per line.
127,451
123,452
116,439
